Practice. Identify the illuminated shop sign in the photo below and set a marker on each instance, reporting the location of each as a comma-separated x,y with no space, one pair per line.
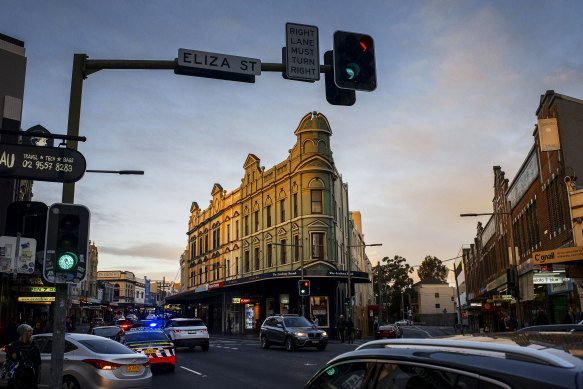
35,299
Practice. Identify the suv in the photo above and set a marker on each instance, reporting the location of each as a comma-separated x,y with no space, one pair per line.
292,331
456,362
188,333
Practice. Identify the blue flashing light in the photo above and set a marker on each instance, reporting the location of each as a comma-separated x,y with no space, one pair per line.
153,324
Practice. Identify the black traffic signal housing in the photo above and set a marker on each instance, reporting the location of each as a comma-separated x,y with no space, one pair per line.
335,95
66,243
304,287
354,61
512,282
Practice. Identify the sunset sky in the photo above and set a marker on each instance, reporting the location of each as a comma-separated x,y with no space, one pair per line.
458,86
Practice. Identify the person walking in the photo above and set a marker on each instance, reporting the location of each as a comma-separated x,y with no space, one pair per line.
69,326
26,353
340,326
349,330
315,321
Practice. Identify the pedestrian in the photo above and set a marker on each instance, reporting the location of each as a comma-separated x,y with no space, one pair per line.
37,328
229,326
315,322
340,325
69,326
26,353
570,316
349,330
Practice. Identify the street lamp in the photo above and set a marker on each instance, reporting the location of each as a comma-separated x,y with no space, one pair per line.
514,261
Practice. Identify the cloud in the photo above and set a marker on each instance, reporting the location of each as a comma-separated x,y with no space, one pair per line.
148,250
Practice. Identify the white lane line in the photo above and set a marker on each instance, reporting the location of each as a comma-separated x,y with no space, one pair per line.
419,329
192,371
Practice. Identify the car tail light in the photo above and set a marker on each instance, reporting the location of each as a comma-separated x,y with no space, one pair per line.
205,330
147,363
177,331
103,365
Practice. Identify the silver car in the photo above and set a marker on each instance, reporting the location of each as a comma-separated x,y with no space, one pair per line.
93,362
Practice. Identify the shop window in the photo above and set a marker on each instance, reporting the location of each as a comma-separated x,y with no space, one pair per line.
319,308
437,305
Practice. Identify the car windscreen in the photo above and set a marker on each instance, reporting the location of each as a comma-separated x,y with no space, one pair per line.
296,322
105,346
145,336
108,331
187,323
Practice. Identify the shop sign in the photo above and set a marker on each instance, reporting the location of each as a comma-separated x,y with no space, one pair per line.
40,289
284,298
559,255
241,300
215,285
548,280
566,286
546,268
488,307
35,299
526,266
491,286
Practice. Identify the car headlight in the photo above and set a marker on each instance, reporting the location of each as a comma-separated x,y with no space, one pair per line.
300,334
324,334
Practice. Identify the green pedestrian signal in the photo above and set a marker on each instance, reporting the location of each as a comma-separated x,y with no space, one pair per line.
67,261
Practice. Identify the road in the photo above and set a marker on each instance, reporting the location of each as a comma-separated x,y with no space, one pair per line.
241,363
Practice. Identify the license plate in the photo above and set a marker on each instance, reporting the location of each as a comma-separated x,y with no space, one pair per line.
192,332
150,351
133,368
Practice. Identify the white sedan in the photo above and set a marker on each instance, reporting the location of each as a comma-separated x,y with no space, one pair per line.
402,322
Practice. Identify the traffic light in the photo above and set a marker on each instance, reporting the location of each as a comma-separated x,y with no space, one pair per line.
304,287
335,95
66,243
354,61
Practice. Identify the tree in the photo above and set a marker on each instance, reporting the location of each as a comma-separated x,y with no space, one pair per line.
394,280
432,267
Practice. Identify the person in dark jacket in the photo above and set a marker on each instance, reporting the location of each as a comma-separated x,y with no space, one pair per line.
349,330
340,326
26,353
569,317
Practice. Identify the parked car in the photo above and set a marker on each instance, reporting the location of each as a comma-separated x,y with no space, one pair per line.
153,343
455,362
93,362
402,322
124,324
291,331
571,328
110,332
387,331
96,322
148,323
188,333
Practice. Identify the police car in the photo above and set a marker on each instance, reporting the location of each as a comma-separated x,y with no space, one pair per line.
154,343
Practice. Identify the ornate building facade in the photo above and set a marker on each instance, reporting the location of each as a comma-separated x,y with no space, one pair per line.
248,249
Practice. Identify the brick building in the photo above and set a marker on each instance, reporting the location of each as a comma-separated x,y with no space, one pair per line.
532,214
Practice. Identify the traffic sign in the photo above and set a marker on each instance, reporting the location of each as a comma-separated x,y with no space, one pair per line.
54,164
215,65
302,59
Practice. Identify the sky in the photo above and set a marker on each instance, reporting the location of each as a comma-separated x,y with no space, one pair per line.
458,86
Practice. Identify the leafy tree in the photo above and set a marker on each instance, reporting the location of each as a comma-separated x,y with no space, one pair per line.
394,280
432,267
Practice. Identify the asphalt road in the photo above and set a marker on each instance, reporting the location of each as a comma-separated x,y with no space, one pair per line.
241,363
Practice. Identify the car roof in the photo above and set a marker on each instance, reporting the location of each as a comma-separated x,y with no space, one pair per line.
184,319
72,335
503,347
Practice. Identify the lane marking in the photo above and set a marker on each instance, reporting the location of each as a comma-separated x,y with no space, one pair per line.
192,371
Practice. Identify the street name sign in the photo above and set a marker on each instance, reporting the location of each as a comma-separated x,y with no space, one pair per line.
302,59
55,164
215,65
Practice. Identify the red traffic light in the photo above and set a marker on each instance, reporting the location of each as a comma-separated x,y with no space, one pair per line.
306,284
365,42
